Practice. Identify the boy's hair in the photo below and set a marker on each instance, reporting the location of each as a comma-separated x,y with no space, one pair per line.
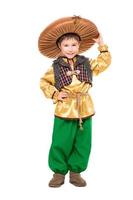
68,36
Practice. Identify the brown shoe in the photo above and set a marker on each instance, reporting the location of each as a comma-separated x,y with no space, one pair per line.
77,180
57,180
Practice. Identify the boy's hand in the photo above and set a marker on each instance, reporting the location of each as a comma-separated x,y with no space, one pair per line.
61,96
99,40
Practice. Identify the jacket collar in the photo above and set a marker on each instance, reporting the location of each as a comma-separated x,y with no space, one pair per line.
64,60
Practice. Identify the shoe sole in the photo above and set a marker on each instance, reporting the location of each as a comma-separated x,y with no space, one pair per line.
75,184
56,186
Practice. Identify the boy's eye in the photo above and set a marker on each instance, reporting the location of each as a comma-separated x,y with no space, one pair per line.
74,45
66,45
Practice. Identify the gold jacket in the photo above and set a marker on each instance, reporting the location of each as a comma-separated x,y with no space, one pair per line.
78,104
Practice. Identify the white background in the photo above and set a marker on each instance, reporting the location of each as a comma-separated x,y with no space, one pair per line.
26,116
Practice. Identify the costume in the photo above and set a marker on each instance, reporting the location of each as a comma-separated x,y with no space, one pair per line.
71,146
71,141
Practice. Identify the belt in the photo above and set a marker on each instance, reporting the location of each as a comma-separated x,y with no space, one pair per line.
78,100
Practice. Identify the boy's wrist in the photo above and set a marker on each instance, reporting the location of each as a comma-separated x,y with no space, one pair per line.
55,96
103,48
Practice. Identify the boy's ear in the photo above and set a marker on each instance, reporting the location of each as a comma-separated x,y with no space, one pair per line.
58,44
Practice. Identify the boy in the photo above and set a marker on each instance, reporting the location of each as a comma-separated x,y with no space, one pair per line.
67,82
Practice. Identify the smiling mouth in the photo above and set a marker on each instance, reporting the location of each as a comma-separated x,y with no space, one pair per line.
70,54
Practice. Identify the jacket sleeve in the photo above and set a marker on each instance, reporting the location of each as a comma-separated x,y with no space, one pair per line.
47,85
102,62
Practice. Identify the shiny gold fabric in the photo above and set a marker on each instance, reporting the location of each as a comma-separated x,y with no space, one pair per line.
71,106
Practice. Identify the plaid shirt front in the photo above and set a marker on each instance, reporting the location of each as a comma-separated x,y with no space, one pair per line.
61,68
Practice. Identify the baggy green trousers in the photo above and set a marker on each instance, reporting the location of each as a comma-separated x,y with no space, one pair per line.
70,148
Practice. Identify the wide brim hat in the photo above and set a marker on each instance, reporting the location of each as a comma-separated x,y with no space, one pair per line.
85,28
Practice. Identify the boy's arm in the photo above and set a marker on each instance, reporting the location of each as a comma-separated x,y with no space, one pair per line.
47,85
103,60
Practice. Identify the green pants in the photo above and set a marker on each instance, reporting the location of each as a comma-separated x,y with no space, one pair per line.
70,148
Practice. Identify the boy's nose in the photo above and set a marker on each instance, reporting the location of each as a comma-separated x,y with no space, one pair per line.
70,49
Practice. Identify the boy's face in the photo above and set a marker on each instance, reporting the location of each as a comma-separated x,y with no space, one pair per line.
69,47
